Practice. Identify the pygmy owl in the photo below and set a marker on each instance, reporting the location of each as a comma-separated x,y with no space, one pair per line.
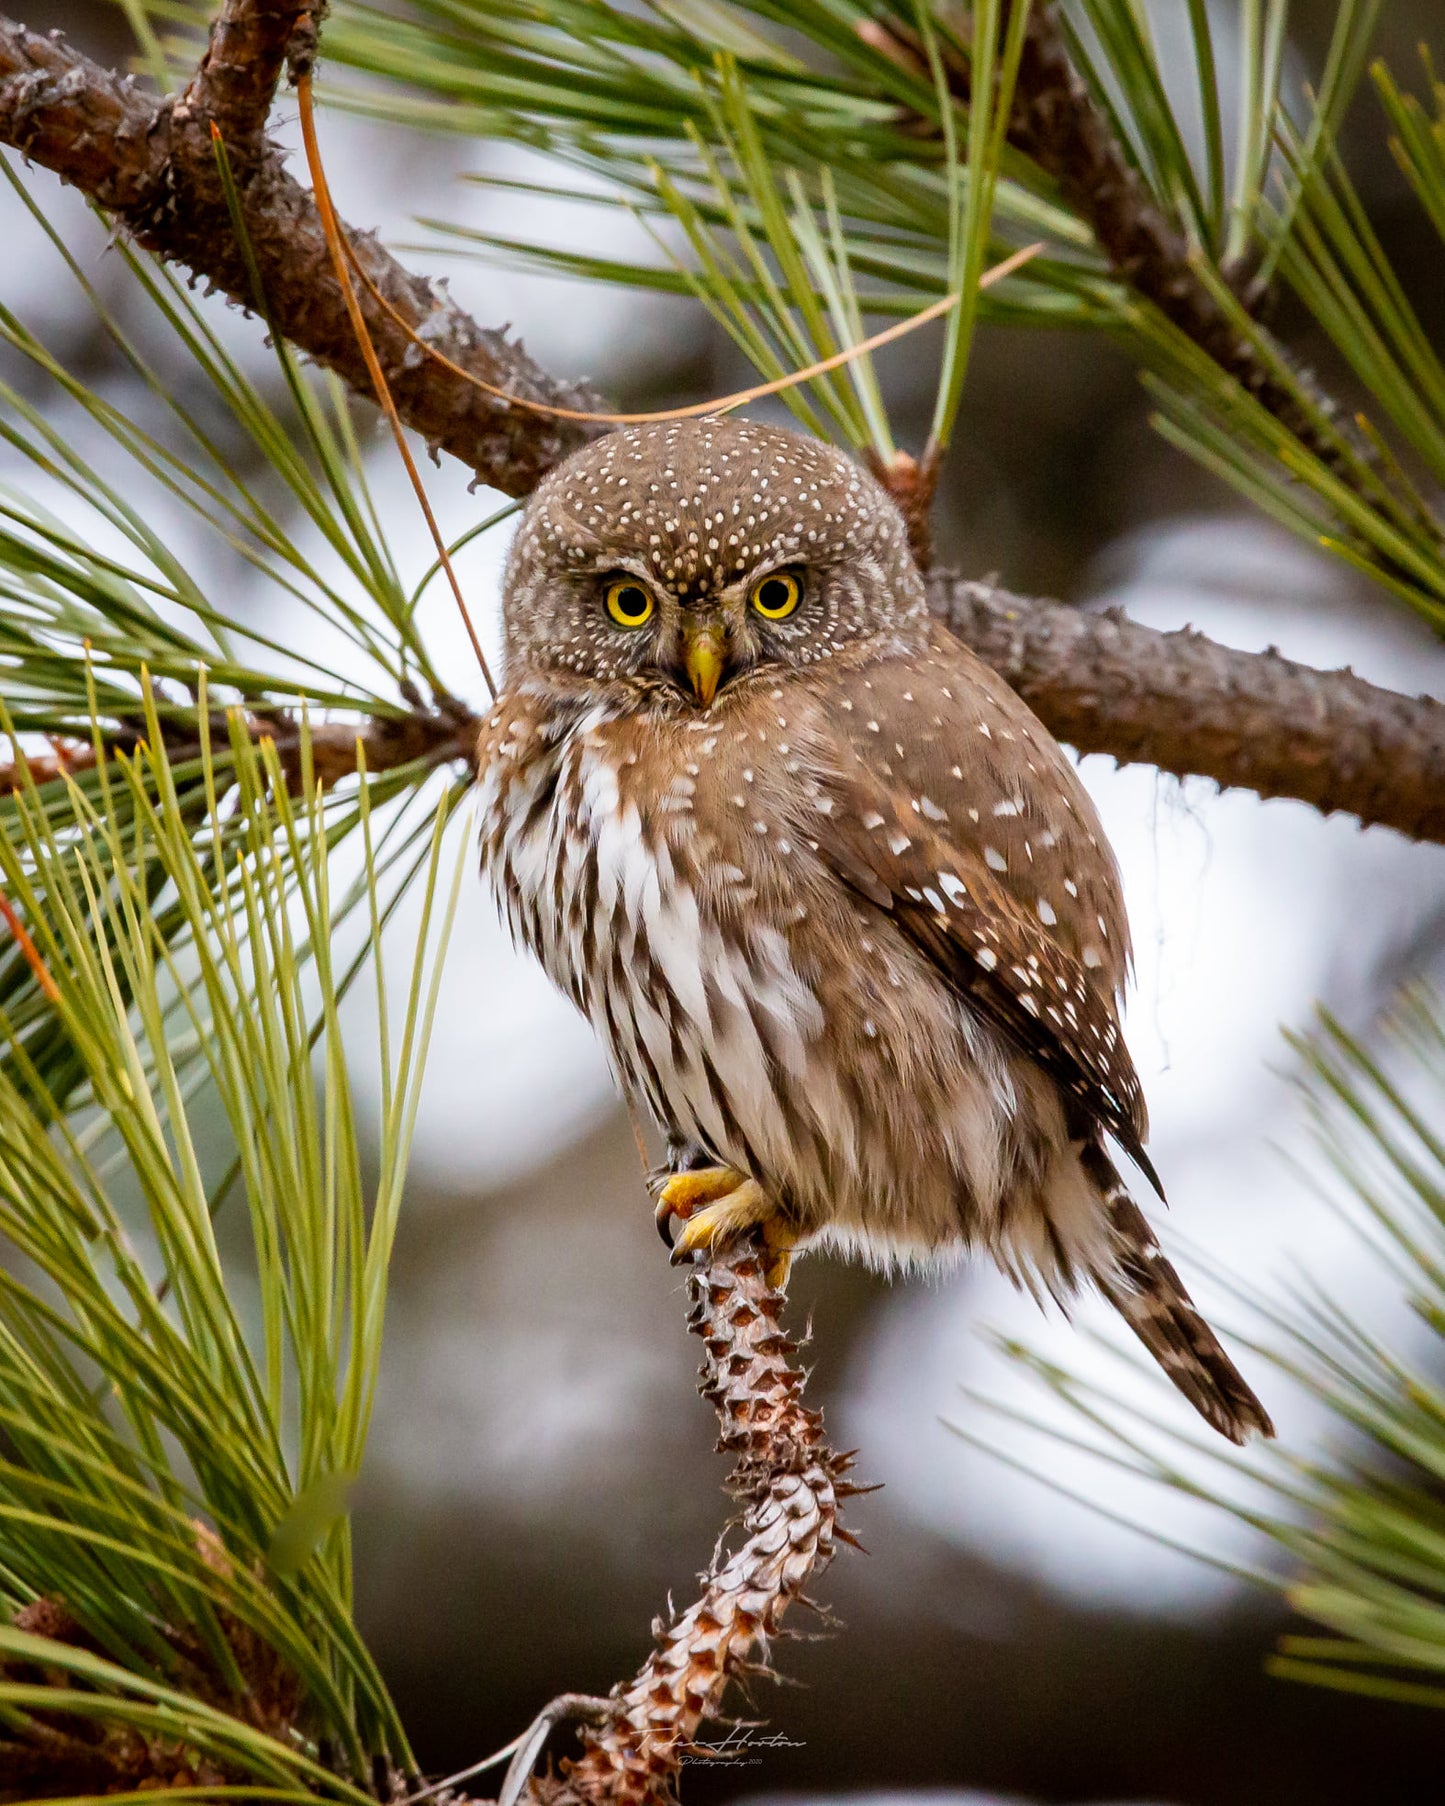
832,896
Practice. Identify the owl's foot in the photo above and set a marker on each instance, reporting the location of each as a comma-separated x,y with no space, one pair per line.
717,1204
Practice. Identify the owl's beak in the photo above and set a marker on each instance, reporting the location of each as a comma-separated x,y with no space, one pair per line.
704,658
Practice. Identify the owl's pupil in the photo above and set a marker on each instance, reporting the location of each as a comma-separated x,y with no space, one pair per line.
774,593
631,601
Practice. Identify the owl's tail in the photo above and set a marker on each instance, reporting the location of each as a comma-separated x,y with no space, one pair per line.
1149,1295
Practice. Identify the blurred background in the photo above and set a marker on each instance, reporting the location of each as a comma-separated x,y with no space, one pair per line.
540,1475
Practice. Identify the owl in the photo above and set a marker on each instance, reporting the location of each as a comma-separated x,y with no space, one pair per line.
833,898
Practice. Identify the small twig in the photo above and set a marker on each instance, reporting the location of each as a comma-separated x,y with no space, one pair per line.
567,1708
442,735
912,483
447,1787
439,736
235,82
790,1482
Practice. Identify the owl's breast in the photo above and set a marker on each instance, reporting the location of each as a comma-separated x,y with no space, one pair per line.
619,857
535,844
667,877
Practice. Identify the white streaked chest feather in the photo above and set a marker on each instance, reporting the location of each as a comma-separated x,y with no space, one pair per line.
700,1006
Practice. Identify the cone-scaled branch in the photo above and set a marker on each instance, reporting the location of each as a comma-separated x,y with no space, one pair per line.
789,1481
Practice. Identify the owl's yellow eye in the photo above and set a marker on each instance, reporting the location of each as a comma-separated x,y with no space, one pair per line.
628,602
777,595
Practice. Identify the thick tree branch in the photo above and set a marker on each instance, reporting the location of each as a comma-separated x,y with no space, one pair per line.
1249,720
1099,681
152,165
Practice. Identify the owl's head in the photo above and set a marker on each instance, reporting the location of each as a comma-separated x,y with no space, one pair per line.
672,560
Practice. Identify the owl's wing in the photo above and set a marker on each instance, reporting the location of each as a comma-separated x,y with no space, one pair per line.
951,807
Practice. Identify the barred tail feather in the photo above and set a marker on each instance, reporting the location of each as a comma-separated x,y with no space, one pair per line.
1149,1295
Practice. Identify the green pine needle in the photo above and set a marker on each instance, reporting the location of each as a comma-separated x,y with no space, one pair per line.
816,178
1360,1532
178,1425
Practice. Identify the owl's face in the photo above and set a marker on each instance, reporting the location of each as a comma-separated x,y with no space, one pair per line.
670,561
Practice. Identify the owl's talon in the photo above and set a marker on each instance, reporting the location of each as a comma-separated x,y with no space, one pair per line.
778,1243
737,1211
718,1204
683,1193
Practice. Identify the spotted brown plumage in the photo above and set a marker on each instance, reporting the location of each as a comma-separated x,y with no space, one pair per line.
838,906
954,798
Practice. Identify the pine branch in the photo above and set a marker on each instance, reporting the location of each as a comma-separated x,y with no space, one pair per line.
790,1481
236,81
151,164
1181,701
140,1400
58,1752
441,735
1251,721
1058,124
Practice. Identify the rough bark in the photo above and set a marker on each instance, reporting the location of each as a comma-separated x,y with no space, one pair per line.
152,165
1180,701
789,1482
